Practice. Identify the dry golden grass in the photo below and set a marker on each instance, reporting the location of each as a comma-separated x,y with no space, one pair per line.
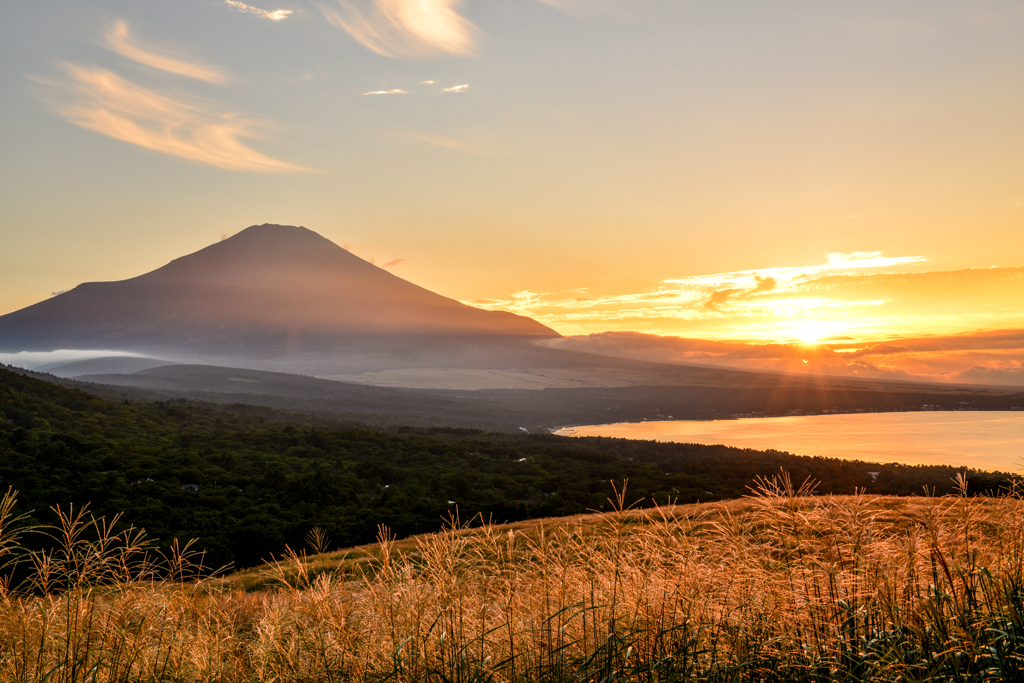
777,586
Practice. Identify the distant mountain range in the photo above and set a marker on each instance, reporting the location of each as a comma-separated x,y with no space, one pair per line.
269,291
285,299
280,301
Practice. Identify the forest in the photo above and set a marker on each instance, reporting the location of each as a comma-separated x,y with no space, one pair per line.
245,481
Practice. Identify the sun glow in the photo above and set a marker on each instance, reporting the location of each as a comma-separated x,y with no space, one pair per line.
812,334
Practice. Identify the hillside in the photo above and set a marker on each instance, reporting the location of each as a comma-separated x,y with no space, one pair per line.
779,586
263,479
671,393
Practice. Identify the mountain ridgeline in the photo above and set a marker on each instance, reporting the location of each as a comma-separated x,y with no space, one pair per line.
280,316
269,290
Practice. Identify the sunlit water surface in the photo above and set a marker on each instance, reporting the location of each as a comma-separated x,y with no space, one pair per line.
983,440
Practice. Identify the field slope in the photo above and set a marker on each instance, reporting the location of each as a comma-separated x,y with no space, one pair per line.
778,586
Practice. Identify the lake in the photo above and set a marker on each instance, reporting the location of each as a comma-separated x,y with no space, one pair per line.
983,440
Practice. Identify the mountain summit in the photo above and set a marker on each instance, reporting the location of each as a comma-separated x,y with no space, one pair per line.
269,290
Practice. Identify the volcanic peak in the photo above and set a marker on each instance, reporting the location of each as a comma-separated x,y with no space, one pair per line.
270,289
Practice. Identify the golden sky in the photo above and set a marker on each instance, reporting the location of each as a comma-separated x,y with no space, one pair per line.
737,172
857,314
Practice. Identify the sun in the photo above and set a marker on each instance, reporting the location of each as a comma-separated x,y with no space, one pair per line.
818,333
810,333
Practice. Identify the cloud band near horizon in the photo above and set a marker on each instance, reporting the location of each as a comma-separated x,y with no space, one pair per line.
990,357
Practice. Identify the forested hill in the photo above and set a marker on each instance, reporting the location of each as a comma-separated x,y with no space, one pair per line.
245,481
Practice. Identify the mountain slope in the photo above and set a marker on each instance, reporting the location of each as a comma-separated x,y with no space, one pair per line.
268,290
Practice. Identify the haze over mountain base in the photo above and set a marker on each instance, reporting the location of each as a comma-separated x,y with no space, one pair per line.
280,316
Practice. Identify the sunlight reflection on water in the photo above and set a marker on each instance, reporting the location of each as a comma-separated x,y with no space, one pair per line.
983,440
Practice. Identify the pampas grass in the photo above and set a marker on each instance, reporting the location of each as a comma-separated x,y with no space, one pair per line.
781,585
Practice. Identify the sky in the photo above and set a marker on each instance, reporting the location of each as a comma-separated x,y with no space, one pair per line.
832,186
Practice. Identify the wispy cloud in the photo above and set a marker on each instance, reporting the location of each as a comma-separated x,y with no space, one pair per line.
404,28
119,40
387,92
394,262
439,141
871,259
843,296
457,88
427,82
761,283
102,101
787,274
273,15
470,143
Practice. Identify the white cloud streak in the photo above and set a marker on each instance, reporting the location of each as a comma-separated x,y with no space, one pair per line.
470,143
768,293
387,92
404,28
120,41
102,101
835,262
457,88
439,141
870,259
273,15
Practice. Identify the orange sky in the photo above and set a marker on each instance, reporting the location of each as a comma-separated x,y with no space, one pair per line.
729,171
860,314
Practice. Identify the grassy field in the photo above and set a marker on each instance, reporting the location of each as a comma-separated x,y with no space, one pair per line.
777,586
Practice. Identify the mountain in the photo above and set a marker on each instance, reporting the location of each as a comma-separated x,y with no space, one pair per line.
283,299
269,291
